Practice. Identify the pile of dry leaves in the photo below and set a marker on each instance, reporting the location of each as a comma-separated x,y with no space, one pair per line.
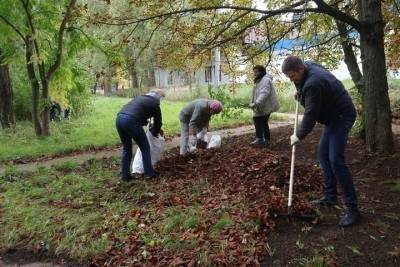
243,183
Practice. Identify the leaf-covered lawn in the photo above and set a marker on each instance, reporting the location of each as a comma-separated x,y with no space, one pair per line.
211,208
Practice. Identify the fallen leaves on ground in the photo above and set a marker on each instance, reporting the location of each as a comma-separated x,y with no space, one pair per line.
234,191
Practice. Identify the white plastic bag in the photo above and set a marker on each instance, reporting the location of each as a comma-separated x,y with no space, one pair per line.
214,141
157,147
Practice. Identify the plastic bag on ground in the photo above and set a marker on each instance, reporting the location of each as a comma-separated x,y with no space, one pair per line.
214,141
157,147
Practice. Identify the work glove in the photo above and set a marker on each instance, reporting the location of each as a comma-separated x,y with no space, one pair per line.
152,130
200,135
252,105
192,131
294,140
296,95
201,144
192,140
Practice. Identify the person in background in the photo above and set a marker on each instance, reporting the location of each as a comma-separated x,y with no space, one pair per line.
130,121
264,101
326,101
194,119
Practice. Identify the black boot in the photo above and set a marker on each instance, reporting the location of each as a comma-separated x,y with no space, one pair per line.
154,176
352,217
324,201
259,142
127,179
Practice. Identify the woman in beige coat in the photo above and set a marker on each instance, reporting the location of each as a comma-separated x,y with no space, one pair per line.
264,101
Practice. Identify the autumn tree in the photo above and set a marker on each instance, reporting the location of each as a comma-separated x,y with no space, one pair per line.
7,115
365,19
41,27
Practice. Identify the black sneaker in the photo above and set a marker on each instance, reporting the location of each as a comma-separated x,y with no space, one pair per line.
127,179
259,142
350,218
154,176
324,202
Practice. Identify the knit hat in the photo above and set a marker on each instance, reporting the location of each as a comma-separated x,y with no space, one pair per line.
215,106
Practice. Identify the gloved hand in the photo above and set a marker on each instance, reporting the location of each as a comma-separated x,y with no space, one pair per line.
192,140
294,140
201,144
192,131
152,130
200,135
252,105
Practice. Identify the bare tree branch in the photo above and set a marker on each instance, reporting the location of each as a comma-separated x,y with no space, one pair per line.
228,25
337,14
148,41
61,31
15,28
34,40
270,13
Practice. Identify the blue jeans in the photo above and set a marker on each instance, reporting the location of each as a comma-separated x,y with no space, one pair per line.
331,157
129,128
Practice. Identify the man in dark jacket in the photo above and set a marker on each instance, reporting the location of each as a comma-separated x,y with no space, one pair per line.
326,101
130,121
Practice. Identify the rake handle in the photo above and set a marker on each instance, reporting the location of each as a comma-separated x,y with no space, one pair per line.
290,198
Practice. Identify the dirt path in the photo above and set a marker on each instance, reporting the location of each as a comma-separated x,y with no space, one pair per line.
109,152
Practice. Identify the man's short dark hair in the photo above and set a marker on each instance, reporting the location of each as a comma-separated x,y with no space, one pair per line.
292,63
260,68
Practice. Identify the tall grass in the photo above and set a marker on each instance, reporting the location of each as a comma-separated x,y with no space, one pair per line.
241,93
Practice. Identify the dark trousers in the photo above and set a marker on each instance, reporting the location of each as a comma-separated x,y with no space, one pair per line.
129,128
331,156
262,127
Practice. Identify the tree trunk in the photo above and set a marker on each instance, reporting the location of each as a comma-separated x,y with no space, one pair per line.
7,116
135,82
152,78
355,73
94,89
379,136
108,81
96,83
46,109
190,84
134,79
35,91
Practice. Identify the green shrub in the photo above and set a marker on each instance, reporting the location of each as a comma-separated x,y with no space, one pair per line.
232,107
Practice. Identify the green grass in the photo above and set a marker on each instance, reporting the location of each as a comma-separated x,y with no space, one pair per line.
61,211
241,93
95,129
222,223
81,211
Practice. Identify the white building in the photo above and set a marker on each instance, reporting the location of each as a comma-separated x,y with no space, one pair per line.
209,75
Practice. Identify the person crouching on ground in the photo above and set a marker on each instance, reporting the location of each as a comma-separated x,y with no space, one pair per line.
263,102
194,119
326,101
130,121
